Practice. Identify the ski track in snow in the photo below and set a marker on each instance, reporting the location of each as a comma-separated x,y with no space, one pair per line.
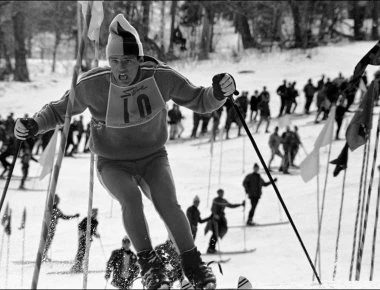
279,261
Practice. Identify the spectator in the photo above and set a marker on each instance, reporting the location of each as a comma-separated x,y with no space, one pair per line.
274,145
340,110
309,91
295,143
253,105
286,141
176,127
252,184
79,129
123,266
25,159
194,216
263,106
282,92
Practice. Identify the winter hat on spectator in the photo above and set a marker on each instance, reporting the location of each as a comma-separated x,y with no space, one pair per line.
123,38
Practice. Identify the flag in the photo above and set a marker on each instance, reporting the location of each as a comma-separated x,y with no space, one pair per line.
357,132
243,283
341,161
284,121
325,137
372,57
309,167
23,220
47,157
97,16
6,220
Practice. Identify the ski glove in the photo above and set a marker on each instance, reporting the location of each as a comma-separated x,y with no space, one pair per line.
223,85
25,128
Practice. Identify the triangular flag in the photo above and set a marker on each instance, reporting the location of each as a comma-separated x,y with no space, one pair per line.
23,220
47,157
97,16
244,283
357,132
341,161
327,133
284,121
309,167
372,57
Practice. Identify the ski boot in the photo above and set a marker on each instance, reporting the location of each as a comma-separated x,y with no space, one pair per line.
198,273
153,271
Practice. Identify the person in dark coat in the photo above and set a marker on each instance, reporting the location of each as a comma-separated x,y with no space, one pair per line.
218,222
253,102
175,117
123,266
264,99
194,216
309,91
252,184
286,141
55,216
282,92
25,159
78,263
340,110
79,128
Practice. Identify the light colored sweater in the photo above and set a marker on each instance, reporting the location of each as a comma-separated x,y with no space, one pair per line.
140,128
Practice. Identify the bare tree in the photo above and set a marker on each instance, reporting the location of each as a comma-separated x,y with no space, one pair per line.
173,12
18,16
375,19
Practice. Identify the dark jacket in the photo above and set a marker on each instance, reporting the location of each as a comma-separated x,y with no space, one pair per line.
194,216
309,90
253,183
218,221
83,225
116,265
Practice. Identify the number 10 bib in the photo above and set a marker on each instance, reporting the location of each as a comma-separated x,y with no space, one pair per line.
133,105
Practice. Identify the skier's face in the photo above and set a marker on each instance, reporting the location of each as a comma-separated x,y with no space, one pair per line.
124,68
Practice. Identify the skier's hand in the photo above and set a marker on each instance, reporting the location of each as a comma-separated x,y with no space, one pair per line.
25,128
223,85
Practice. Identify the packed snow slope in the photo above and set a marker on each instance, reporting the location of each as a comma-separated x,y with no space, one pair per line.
279,261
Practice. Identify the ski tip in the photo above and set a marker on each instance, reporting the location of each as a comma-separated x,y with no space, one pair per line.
244,283
185,284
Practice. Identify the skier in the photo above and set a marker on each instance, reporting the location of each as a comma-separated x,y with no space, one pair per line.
252,184
56,214
82,226
218,222
123,266
263,106
194,216
127,102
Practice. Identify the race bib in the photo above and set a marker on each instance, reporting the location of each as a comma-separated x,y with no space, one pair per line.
133,105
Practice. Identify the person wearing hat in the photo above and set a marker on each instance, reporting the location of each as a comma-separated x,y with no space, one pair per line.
194,216
217,224
252,184
127,102
82,227
123,266
55,215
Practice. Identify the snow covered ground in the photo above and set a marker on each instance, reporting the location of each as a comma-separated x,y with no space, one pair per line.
279,261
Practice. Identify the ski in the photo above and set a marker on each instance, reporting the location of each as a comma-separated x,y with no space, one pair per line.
243,283
260,225
230,252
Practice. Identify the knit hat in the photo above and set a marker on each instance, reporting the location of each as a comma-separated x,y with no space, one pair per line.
196,198
123,38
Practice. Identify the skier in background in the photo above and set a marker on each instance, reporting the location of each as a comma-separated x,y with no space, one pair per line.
82,226
218,222
55,215
123,266
253,184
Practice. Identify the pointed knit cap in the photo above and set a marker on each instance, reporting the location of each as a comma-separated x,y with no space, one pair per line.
123,38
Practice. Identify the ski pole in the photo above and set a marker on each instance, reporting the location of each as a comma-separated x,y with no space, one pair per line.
273,183
18,146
